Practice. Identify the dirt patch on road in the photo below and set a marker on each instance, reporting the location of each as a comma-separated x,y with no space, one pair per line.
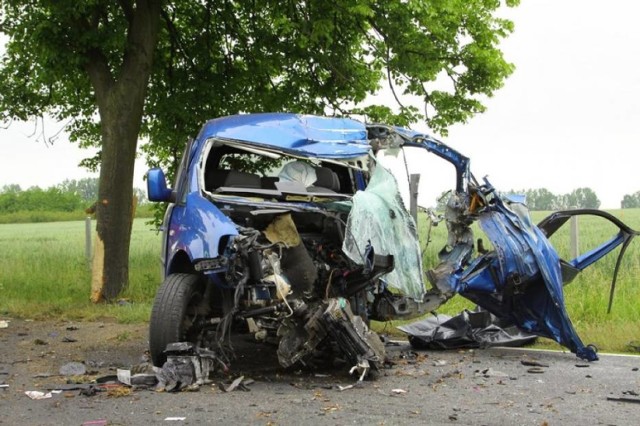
33,351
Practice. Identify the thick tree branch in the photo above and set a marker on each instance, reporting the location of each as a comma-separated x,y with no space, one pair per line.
97,68
141,41
174,34
127,9
427,101
389,79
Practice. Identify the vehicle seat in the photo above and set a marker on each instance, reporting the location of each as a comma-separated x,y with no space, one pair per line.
326,179
269,182
217,178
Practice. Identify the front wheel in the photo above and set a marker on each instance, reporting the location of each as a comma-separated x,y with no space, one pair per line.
177,306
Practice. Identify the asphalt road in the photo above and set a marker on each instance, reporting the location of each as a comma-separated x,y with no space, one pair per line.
471,387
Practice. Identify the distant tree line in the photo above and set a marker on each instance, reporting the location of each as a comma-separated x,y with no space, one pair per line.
631,201
70,195
543,199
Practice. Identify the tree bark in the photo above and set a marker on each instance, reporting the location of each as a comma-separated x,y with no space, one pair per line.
120,104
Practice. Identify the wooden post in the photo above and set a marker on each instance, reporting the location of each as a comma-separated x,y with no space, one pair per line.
414,180
87,240
575,246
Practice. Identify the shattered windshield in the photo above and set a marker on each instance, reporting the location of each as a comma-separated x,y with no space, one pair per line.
378,217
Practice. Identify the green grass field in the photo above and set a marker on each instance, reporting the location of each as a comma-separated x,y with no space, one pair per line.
44,274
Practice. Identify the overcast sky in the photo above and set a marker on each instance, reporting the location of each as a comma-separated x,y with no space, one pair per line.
567,118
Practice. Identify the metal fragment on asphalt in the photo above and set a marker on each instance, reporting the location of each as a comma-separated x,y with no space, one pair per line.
73,369
234,384
490,372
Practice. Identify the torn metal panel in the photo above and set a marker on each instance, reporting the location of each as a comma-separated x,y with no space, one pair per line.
521,279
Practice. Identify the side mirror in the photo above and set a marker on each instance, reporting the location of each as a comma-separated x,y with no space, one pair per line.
157,186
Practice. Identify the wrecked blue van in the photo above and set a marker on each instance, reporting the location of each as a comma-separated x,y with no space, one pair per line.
293,228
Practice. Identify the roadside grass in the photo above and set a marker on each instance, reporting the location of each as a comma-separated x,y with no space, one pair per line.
44,274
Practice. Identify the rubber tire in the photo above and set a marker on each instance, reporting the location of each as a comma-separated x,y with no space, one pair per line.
170,307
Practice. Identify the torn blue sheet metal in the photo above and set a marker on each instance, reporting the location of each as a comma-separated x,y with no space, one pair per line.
527,275
521,279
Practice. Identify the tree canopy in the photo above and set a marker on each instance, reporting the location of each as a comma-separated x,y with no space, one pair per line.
630,201
116,71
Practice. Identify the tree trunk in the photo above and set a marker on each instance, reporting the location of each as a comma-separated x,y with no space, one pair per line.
113,210
120,104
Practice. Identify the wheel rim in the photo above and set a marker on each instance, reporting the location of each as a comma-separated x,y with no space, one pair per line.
190,328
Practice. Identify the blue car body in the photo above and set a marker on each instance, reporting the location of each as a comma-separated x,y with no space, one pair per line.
521,279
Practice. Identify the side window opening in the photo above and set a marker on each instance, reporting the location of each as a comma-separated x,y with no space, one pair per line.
437,176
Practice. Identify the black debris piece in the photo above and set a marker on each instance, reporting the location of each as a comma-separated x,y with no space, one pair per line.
624,399
90,391
112,378
466,330
529,363
70,386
